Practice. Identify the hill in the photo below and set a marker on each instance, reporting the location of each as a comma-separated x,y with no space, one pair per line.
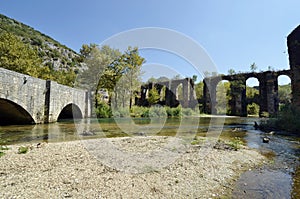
53,54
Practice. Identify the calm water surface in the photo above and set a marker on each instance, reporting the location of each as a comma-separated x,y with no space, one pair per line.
281,179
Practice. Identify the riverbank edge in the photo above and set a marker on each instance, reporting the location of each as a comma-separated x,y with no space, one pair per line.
244,159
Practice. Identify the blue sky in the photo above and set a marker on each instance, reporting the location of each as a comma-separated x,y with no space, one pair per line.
234,33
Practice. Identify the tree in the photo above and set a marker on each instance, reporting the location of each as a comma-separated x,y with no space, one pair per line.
96,60
19,57
253,67
153,96
284,94
194,78
123,76
86,50
222,97
199,90
231,71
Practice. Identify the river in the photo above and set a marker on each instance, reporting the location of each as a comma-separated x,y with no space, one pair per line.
279,179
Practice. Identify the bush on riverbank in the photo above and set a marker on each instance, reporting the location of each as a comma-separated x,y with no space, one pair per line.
104,111
288,119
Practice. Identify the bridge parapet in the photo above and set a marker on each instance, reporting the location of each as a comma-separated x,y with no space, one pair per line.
25,99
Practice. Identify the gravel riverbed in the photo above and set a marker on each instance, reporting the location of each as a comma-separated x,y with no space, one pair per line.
90,169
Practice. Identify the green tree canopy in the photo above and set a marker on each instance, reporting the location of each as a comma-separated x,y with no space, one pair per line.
17,56
153,96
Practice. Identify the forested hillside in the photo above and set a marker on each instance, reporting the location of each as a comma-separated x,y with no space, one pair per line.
31,52
53,54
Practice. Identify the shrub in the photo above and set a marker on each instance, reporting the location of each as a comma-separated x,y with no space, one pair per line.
288,119
157,111
173,112
139,111
121,112
187,112
252,109
103,110
23,149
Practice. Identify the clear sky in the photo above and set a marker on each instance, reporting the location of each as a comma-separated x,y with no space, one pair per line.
234,33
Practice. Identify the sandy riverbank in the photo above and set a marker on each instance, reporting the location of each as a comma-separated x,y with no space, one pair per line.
72,170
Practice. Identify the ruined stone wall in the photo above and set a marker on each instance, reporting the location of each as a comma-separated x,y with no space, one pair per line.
293,43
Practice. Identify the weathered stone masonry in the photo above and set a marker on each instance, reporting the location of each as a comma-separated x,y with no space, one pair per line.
268,92
25,99
293,43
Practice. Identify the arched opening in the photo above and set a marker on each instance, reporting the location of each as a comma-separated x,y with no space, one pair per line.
71,111
162,94
13,114
179,92
252,96
284,91
222,97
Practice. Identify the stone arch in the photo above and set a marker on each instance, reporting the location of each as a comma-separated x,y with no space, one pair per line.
253,91
179,92
13,114
70,111
284,88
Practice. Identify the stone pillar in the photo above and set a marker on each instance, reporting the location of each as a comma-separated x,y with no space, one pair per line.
88,100
293,43
185,92
209,95
192,94
47,101
269,94
173,94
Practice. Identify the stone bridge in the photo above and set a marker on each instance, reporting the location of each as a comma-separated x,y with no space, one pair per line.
268,92
28,100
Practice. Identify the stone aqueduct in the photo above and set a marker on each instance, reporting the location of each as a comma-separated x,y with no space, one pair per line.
268,86
268,92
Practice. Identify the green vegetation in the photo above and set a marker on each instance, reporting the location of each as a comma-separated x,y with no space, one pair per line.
3,146
105,111
27,51
253,109
2,149
153,97
235,143
199,90
288,119
223,97
23,149
119,73
17,56
47,48
284,95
